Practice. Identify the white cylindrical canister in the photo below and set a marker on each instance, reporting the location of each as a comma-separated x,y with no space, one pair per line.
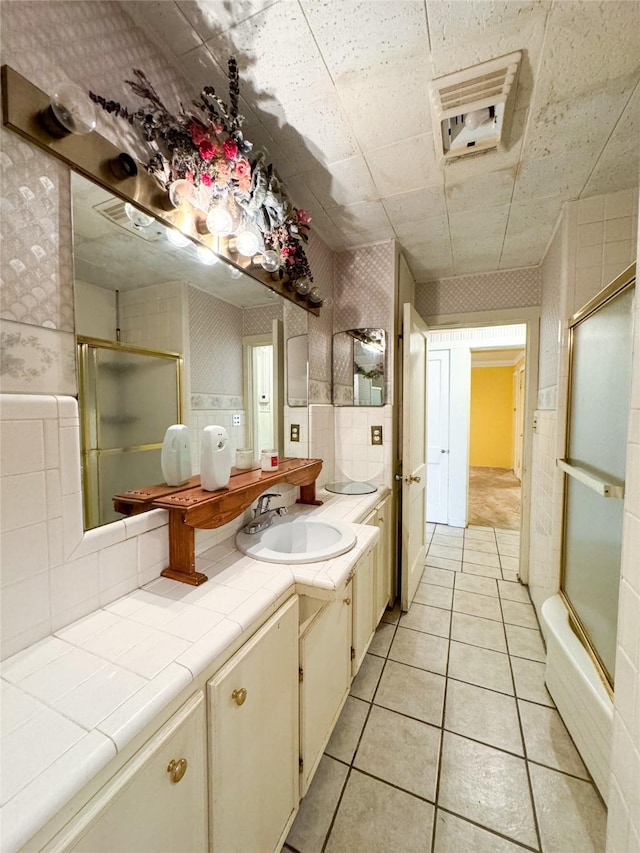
269,460
175,457
244,458
215,459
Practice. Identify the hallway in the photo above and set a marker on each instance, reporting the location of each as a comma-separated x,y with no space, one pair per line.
494,498
449,741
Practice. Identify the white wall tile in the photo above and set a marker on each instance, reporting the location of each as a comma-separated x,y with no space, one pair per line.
22,446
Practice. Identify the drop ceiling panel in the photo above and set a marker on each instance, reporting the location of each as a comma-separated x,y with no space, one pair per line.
478,192
214,17
618,162
416,204
396,170
552,176
382,102
342,183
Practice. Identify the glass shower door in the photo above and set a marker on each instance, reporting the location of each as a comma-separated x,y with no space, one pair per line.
600,387
128,398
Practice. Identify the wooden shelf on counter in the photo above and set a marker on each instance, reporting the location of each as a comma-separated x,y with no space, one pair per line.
190,507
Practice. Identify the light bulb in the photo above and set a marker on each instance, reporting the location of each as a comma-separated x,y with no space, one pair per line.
303,287
219,221
137,217
177,238
182,192
247,243
475,118
234,272
270,260
72,111
314,296
206,256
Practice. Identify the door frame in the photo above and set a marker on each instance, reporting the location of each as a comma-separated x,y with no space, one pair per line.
529,316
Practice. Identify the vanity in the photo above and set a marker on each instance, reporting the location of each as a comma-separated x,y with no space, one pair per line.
217,754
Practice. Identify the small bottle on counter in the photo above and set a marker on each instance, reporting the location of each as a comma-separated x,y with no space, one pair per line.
244,458
269,460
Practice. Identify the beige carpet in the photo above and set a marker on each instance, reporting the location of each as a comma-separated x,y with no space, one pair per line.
494,498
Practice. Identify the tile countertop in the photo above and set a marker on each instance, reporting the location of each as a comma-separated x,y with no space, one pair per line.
73,700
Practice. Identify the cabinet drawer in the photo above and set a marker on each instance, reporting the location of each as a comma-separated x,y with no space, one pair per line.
147,808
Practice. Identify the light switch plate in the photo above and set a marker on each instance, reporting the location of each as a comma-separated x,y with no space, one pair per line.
376,434
294,432
236,420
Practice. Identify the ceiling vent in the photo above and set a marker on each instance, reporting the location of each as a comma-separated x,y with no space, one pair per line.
472,107
114,210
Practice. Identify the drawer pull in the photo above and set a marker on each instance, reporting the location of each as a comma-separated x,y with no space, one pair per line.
177,769
347,601
239,695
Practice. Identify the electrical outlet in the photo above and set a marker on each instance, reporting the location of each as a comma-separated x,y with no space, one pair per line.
236,420
294,432
376,435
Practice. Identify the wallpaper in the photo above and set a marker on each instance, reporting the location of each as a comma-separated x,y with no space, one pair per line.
215,333
323,265
485,292
257,321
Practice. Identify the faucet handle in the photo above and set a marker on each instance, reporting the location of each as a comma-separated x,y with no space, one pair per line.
264,501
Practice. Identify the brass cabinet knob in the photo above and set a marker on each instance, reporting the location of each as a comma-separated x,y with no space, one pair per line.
239,695
412,479
347,601
177,769
381,519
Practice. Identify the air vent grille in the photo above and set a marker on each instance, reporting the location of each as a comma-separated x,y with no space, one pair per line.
113,210
486,91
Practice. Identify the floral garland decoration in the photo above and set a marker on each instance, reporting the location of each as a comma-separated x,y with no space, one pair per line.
207,148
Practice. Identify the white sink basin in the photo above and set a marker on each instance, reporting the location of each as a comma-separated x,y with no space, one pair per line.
297,540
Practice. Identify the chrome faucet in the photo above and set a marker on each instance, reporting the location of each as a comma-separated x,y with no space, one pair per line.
262,515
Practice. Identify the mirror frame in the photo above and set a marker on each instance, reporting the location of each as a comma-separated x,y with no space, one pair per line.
350,333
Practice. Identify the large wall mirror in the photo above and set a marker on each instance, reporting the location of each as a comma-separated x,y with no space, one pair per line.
166,333
359,367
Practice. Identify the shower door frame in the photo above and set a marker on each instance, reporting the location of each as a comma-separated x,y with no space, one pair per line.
86,348
623,282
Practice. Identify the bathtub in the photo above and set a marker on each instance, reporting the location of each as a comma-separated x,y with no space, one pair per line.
577,689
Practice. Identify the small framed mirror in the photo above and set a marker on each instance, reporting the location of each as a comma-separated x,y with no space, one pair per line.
359,367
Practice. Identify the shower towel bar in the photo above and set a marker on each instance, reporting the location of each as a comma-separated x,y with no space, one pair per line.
592,481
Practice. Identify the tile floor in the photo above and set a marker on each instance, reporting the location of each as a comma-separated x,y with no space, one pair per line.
449,741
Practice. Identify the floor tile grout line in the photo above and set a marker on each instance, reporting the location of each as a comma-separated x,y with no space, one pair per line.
486,829
440,747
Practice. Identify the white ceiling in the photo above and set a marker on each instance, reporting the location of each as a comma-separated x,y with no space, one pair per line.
338,93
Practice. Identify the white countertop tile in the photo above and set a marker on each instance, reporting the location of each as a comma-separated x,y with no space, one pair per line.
199,655
223,599
98,696
34,658
88,627
28,750
32,807
62,675
193,623
136,712
153,654
247,613
122,635
17,707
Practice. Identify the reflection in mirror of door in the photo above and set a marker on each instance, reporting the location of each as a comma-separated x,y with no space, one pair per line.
135,290
359,365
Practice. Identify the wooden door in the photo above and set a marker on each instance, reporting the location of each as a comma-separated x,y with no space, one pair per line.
438,438
253,743
414,451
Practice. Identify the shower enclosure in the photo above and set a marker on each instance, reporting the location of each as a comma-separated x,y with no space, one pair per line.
128,397
601,345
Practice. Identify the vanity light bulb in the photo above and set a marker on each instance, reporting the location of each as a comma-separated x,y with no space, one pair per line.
234,272
247,243
206,256
177,238
314,296
270,260
303,287
73,111
219,221
182,192
137,217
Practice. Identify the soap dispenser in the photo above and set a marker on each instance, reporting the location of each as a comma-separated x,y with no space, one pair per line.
215,459
175,458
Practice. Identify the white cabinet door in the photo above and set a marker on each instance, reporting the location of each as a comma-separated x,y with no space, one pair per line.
158,802
364,623
325,673
385,566
253,739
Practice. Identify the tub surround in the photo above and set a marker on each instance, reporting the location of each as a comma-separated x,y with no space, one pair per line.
75,700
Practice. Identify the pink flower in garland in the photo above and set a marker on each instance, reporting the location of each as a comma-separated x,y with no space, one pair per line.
303,217
207,149
223,174
230,149
243,174
198,132
205,179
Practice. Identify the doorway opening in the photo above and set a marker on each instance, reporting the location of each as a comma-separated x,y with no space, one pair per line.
264,381
475,410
